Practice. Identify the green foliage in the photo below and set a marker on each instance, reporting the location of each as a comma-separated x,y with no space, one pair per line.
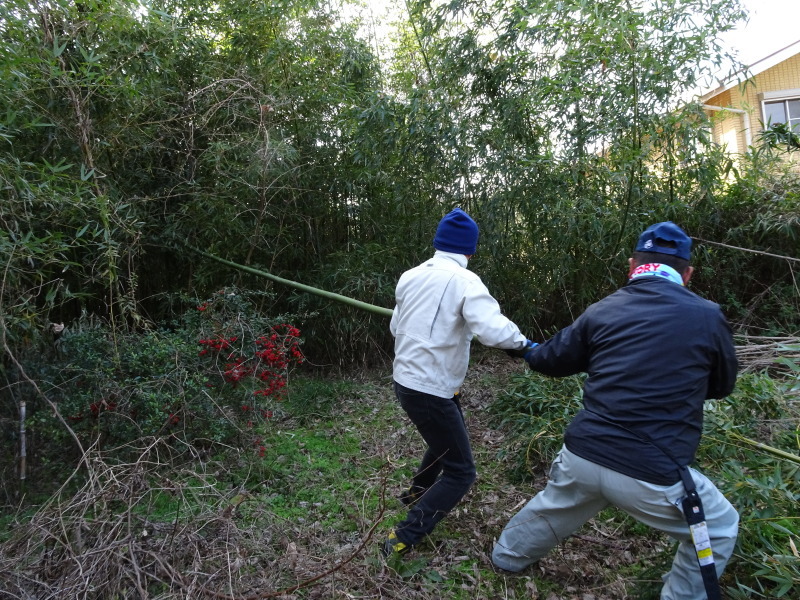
556,127
780,136
764,488
115,389
273,136
131,126
120,389
536,409
758,211
365,272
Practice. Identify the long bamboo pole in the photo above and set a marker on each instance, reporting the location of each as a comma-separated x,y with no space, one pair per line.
387,312
379,310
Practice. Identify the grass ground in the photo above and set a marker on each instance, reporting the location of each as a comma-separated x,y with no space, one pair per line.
339,476
302,511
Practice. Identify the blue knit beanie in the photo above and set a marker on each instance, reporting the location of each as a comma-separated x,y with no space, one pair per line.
456,233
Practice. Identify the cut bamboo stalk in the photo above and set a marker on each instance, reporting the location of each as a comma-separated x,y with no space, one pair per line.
379,310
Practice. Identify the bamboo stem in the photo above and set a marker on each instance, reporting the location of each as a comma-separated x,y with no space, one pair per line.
23,447
769,449
380,310
388,313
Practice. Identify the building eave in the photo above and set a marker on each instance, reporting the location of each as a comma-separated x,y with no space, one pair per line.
753,70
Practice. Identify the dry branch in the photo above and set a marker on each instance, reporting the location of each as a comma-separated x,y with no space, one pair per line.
757,353
102,542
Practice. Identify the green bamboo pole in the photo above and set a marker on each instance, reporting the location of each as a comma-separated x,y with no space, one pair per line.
769,449
379,310
387,312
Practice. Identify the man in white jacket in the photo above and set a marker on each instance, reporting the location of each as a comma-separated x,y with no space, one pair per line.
440,307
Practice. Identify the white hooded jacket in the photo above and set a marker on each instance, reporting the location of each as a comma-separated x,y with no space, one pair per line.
440,307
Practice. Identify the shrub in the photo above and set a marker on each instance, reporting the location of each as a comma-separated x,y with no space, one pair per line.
763,486
209,379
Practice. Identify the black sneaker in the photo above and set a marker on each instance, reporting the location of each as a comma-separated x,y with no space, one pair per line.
412,495
393,545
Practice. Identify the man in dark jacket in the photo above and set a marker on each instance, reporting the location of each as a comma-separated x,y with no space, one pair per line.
653,352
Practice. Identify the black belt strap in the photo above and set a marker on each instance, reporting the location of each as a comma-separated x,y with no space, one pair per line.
696,518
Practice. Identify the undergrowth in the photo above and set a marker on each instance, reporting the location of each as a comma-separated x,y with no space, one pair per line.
297,504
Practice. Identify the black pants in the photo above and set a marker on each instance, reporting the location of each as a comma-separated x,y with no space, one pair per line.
447,470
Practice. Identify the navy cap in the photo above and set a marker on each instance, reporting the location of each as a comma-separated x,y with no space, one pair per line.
666,238
456,233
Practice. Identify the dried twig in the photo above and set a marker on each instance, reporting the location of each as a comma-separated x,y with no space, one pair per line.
98,542
761,252
757,352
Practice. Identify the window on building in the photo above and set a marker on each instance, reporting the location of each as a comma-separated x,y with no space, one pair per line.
783,111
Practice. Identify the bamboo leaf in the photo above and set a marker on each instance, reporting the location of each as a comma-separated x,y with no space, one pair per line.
86,174
58,49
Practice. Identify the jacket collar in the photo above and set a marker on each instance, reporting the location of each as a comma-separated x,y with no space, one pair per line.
461,259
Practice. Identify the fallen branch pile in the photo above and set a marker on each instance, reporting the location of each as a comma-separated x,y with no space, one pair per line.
114,539
768,353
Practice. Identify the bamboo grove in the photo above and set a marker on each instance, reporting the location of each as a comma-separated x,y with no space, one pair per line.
274,135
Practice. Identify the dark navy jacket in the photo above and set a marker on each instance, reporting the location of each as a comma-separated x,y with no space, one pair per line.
653,352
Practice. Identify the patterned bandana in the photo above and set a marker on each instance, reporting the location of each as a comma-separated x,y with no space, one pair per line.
657,270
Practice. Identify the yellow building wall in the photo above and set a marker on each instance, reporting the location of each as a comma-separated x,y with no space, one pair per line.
728,128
